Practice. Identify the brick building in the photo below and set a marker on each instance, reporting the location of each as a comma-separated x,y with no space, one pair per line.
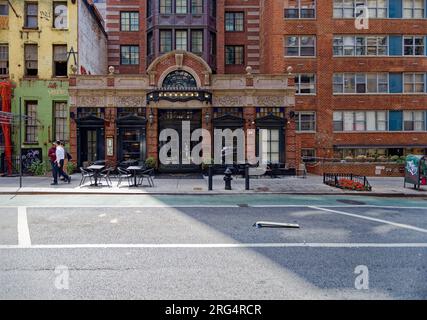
174,61
359,91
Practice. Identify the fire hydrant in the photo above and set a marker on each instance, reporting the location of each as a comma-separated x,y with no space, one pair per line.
227,179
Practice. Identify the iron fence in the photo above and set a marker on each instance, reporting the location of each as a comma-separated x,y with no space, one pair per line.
336,180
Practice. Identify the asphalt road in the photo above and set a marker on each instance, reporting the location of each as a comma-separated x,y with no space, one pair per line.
205,247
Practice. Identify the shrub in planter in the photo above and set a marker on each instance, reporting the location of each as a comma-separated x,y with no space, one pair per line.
348,158
150,162
206,164
38,168
352,185
361,158
394,158
71,167
382,158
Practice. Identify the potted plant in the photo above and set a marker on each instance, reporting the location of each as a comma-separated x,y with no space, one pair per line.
151,162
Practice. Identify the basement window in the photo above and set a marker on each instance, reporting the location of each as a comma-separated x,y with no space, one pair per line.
60,60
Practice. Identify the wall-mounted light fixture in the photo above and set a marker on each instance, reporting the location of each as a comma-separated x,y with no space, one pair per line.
151,117
207,117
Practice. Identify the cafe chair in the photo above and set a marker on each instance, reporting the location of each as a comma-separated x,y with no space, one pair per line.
148,174
85,174
105,174
124,174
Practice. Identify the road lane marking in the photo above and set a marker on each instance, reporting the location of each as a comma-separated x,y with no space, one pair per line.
217,245
400,225
24,239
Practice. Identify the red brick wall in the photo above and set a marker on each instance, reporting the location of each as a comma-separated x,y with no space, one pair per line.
273,29
361,169
117,38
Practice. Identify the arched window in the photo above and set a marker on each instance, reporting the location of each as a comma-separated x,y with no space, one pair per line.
179,79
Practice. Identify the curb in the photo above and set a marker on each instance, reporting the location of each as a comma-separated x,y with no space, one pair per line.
215,193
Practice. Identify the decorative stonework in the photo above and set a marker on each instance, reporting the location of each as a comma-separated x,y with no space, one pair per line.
270,101
132,101
227,101
90,101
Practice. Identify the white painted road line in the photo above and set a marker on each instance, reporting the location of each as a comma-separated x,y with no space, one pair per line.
400,225
24,239
218,245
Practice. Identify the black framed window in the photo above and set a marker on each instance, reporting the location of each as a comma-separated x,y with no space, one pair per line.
165,6
60,120
179,79
31,132
4,8
234,55
270,146
181,38
181,6
275,111
234,21
129,55
305,83
165,41
196,6
129,21
149,8
197,41
300,9
212,4
212,43
150,44
31,15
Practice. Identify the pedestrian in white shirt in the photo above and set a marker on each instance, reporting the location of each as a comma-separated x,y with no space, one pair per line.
60,157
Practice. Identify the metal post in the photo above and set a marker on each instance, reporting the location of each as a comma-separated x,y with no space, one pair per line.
247,186
20,142
210,178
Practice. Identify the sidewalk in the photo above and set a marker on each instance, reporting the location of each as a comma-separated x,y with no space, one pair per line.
387,186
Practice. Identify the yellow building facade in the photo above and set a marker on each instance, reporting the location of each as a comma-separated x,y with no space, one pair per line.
40,41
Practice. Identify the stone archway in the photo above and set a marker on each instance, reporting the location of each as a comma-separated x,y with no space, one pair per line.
161,67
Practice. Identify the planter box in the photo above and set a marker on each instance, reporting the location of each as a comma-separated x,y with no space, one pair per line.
369,169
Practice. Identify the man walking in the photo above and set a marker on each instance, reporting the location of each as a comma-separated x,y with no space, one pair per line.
60,157
52,158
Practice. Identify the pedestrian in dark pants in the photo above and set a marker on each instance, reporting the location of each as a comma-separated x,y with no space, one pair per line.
52,158
60,157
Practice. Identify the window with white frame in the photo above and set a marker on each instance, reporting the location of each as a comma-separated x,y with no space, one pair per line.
413,45
414,121
4,59
414,82
300,9
300,46
351,8
360,83
308,155
360,121
129,21
306,121
181,40
31,132
271,146
305,83
413,9
360,45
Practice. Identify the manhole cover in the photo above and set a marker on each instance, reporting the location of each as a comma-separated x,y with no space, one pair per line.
347,201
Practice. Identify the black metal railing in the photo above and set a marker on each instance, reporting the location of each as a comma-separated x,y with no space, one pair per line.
336,180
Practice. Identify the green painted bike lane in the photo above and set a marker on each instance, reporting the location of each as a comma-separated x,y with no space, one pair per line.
206,200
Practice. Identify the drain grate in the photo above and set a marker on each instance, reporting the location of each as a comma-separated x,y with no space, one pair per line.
348,201
243,205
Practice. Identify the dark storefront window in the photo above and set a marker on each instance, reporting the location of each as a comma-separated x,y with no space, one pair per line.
131,146
124,112
85,112
219,112
275,111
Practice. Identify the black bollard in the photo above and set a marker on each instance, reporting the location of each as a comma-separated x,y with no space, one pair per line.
210,184
247,187
227,179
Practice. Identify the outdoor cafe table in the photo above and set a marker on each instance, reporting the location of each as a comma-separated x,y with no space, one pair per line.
134,170
96,169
